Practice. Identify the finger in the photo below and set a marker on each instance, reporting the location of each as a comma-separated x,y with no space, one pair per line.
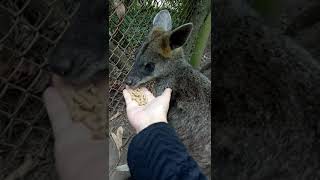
166,95
58,113
148,94
127,97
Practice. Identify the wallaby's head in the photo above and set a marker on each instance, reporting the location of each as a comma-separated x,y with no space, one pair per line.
81,52
158,55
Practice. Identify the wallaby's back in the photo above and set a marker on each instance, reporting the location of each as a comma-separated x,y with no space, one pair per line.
190,111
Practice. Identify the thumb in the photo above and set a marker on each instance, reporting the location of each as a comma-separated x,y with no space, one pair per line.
166,95
59,115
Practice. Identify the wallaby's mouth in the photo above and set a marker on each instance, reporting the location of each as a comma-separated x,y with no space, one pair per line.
135,86
133,83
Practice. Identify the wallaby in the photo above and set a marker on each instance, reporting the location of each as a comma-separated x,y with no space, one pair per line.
266,95
81,52
161,58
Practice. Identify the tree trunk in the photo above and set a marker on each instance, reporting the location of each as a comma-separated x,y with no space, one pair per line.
199,13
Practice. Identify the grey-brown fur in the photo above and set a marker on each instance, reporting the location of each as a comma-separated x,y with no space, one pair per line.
190,108
189,111
267,91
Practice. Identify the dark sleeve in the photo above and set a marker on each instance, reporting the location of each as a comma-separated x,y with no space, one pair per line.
157,153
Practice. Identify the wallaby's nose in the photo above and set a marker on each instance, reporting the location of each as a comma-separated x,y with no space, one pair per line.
129,81
61,68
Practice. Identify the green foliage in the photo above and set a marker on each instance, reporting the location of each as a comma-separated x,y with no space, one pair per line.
201,42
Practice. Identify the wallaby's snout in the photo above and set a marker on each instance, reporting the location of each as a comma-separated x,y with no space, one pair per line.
134,78
130,81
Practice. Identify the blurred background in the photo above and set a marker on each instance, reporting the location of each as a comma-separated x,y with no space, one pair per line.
28,30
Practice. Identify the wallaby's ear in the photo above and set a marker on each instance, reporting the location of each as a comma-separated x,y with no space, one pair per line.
163,20
180,35
174,39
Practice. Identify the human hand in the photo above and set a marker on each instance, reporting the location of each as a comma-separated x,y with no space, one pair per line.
154,111
77,155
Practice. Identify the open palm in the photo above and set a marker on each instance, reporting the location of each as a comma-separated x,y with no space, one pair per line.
154,111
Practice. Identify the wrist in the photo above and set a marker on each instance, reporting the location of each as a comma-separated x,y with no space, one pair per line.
150,126
161,119
149,123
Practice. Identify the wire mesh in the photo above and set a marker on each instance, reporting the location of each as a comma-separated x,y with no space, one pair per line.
129,23
28,30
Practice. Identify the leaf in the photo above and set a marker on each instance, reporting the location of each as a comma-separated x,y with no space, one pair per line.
118,138
120,9
120,134
123,167
115,116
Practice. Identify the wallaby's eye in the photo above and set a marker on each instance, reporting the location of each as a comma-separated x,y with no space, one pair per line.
149,67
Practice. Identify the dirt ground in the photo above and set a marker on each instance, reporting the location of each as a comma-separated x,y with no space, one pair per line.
128,133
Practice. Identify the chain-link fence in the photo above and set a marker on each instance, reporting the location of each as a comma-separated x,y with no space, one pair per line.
28,30
129,22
